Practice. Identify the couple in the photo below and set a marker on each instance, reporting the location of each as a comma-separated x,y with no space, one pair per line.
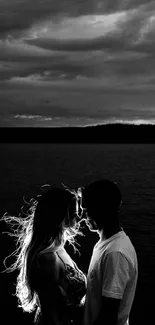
49,282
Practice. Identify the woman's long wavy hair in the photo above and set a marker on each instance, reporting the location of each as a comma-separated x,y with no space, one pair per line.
50,220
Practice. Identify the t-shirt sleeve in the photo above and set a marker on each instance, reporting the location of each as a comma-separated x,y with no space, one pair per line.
115,275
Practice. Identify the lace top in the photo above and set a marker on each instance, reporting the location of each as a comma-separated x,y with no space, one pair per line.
72,284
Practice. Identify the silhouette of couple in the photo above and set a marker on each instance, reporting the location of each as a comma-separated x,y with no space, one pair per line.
49,282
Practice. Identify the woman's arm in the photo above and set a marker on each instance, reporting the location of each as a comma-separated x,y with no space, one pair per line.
51,297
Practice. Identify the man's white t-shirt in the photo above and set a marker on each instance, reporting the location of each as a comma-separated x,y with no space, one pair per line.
112,272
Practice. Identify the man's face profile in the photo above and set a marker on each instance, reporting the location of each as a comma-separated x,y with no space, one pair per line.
91,224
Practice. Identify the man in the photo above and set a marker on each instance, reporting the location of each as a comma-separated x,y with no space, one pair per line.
113,270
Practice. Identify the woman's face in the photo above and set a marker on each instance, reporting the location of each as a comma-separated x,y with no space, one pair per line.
79,208
74,213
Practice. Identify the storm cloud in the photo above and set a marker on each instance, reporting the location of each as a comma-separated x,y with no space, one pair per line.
98,49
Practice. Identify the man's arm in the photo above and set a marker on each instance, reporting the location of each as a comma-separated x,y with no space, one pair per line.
109,311
115,277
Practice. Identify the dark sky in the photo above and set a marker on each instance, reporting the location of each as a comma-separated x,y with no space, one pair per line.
76,62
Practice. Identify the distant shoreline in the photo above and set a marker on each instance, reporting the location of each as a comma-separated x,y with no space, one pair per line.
109,133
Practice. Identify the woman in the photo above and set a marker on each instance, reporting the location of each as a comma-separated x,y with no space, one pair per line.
49,281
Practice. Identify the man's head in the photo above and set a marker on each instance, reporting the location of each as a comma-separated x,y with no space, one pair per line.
102,200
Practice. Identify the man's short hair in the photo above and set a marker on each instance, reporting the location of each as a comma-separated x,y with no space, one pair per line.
102,195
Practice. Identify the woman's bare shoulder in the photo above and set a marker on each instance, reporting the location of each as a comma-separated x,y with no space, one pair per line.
49,271
48,262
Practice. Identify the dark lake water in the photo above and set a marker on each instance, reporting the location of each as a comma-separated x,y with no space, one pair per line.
25,167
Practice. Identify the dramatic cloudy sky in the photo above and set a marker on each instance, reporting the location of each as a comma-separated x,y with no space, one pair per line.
76,62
